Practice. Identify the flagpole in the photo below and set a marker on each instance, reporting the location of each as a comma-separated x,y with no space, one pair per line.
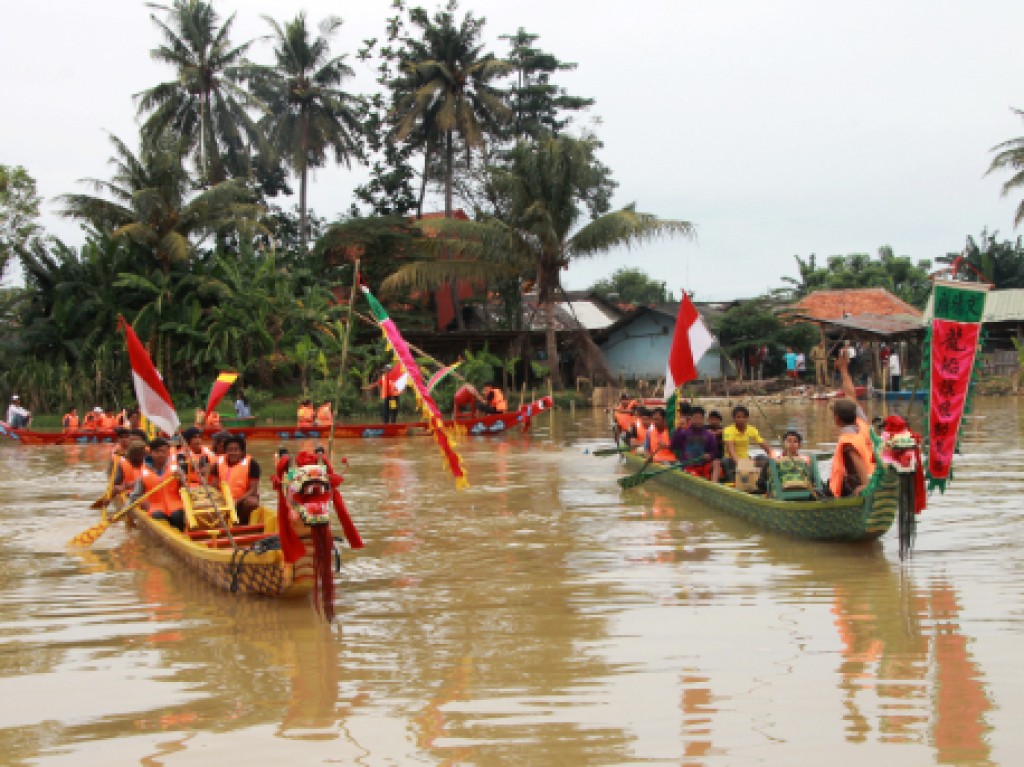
344,359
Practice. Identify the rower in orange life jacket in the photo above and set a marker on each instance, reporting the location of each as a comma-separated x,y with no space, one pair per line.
494,400
129,467
659,438
166,503
91,422
324,415
70,420
198,457
241,473
305,415
854,459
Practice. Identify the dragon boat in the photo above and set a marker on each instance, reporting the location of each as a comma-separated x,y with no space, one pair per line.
477,425
862,518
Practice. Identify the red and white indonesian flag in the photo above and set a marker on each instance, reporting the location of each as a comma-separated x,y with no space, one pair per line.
154,401
691,340
399,379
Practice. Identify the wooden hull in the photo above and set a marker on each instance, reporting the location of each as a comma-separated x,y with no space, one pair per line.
264,574
836,519
483,425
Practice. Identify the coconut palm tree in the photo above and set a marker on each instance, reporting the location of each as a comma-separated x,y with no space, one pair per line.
151,201
308,113
206,101
1010,154
446,89
545,190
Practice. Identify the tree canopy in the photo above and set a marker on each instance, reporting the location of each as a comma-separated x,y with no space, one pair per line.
632,286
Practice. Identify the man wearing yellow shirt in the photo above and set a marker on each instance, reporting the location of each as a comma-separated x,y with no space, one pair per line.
737,439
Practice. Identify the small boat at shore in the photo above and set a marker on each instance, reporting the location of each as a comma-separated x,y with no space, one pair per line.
480,425
862,518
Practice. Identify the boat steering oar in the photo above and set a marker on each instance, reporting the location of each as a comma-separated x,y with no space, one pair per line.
90,536
642,476
104,500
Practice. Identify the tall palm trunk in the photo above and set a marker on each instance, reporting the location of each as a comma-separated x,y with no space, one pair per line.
449,183
303,177
551,343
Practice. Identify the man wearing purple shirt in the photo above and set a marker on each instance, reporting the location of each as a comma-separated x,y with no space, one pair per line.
697,446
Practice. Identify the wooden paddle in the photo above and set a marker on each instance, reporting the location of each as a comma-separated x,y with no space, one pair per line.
90,536
106,498
642,476
613,450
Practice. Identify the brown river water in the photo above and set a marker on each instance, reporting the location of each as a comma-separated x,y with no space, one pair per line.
543,617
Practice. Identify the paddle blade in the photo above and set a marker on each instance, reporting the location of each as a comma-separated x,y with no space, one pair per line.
90,536
611,451
99,503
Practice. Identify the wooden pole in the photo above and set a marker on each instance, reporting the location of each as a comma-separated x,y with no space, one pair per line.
344,359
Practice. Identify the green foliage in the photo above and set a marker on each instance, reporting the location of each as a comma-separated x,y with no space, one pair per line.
897,274
1001,263
19,209
632,286
1010,156
754,323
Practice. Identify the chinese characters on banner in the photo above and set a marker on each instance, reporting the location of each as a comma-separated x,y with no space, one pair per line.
953,348
958,309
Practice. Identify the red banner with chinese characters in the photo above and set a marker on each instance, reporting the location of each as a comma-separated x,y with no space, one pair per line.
954,345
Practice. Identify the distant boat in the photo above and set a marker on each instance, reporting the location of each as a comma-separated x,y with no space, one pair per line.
900,396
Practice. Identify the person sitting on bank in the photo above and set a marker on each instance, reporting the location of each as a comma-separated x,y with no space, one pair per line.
493,400
696,445
657,443
737,439
166,503
305,415
70,420
241,473
324,414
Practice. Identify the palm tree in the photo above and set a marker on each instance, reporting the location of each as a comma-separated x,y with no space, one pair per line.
544,190
446,89
205,103
152,202
308,113
1010,154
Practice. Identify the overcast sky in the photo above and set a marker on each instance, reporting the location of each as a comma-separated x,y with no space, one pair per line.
778,128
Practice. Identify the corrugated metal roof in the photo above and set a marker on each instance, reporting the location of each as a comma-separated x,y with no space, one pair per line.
881,326
590,315
1000,306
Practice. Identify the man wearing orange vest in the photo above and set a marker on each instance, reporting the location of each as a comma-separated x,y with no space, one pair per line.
658,439
166,503
199,457
854,459
388,395
241,473
494,400
70,420
305,414
129,467
324,415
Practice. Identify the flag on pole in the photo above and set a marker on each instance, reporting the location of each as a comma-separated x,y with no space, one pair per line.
689,343
399,379
435,421
218,390
154,401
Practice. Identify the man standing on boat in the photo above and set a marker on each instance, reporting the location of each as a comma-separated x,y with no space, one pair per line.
388,395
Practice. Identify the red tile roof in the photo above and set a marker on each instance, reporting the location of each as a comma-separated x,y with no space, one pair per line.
853,302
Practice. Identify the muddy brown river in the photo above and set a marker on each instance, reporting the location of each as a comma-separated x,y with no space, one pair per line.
543,617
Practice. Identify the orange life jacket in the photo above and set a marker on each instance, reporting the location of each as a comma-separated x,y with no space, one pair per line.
497,401
236,477
193,477
324,416
70,422
104,422
167,498
129,474
386,386
659,445
305,416
213,420
89,423
838,473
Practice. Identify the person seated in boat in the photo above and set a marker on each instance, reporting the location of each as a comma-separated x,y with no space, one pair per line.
493,400
241,473
637,433
91,422
199,458
134,418
850,390
715,427
324,414
853,460
70,420
305,415
166,503
465,401
17,416
218,444
213,421
737,439
683,410
129,466
122,438
793,467
626,403
199,419
105,421
695,447
657,444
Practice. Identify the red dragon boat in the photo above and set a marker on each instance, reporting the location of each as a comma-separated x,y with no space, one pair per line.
480,425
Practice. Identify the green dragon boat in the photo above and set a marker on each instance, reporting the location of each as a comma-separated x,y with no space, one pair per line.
862,518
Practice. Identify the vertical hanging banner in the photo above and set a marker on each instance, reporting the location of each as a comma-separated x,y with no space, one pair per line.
954,340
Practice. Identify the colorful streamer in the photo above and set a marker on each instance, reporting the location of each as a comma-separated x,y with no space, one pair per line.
218,390
440,375
426,403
